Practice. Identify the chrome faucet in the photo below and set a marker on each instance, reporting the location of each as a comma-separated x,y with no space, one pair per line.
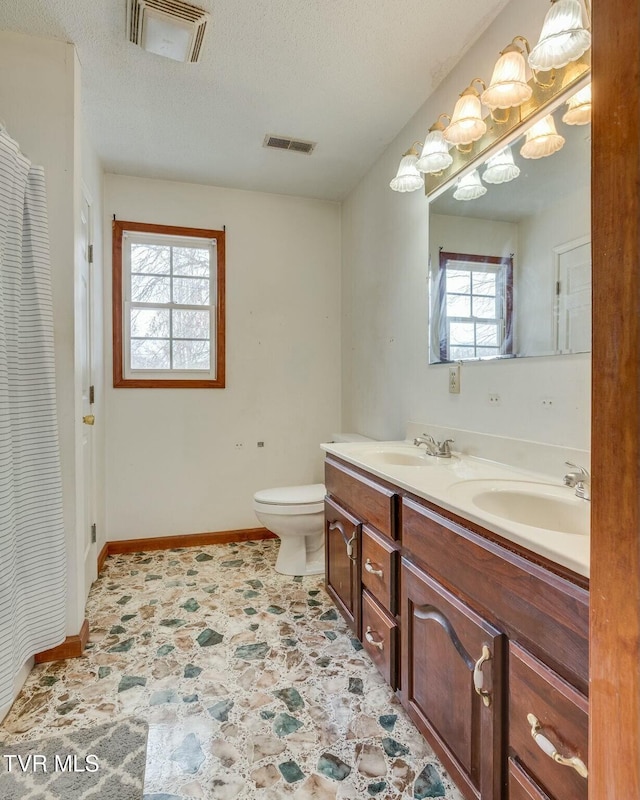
433,448
579,479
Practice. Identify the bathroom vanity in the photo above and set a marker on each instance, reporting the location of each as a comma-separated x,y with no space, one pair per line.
484,639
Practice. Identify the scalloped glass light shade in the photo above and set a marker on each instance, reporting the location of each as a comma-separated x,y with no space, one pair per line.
435,154
470,187
467,125
542,139
579,108
508,87
563,38
500,168
407,179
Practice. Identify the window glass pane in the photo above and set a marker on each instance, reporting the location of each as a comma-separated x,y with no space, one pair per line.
484,283
191,355
191,324
150,322
150,289
150,258
488,351
487,335
150,354
458,305
456,353
484,307
191,261
458,281
191,291
461,333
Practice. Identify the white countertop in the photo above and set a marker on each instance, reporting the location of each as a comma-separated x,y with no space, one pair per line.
444,482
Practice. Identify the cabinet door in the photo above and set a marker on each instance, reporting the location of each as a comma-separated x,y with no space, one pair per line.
342,564
452,682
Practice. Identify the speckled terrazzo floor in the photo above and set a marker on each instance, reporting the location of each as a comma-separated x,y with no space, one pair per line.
250,682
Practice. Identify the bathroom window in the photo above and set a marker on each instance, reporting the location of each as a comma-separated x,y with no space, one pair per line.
475,306
168,306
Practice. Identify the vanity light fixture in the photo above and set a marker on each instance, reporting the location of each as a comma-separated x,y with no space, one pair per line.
579,108
542,139
470,187
435,154
501,168
563,38
509,87
408,179
467,125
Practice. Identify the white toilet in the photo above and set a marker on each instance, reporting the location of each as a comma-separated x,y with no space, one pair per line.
296,515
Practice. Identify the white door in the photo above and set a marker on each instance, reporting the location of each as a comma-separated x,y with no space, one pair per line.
573,289
88,467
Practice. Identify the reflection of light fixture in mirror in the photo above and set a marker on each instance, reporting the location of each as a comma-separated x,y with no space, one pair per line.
500,168
542,139
470,187
509,87
408,179
467,125
579,108
435,153
563,38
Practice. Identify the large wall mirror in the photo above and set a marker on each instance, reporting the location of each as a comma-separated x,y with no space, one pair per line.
510,262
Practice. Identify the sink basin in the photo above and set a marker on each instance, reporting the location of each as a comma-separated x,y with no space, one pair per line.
539,505
397,455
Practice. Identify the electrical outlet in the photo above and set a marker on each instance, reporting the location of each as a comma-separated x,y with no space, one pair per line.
454,379
260,444
239,445
494,399
547,402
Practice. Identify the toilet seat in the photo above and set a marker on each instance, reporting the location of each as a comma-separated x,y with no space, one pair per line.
290,500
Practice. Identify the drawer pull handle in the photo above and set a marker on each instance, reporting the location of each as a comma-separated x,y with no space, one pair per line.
371,569
478,676
369,637
338,526
549,748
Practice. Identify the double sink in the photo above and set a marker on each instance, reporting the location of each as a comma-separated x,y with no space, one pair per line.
532,509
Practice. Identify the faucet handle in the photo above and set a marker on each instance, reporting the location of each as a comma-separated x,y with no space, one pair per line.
581,471
444,449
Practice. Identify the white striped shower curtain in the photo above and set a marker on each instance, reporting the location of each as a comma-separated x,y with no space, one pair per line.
32,541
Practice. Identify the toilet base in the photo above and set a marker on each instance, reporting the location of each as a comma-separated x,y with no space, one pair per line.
300,555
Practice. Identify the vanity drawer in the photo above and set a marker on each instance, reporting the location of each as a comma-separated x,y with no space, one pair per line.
538,697
369,501
379,568
521,787
379,637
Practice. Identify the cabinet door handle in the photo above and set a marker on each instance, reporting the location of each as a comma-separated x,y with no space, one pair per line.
550,749
371,569
338,526
478,676
369,637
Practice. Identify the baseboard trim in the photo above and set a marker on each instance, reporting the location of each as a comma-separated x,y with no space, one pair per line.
72,647
186,540
102,556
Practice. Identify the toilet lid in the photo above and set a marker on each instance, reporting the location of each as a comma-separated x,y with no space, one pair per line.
292,495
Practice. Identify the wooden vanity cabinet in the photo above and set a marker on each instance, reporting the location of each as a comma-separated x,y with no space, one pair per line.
478,636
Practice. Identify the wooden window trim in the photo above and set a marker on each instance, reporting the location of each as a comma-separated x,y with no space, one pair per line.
119,227
507,262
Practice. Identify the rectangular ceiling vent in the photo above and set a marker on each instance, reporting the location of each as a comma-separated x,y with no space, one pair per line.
285,143
170,28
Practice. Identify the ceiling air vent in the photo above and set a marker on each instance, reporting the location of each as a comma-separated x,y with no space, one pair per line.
169,28
285,143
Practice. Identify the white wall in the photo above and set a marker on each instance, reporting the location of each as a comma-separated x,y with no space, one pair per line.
386,377
39,100
173,466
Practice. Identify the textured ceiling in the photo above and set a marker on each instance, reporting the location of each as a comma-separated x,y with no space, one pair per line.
347,74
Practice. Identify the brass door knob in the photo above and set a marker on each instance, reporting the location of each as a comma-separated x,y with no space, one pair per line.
89,419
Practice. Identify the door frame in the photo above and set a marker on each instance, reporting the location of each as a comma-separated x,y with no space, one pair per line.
614,755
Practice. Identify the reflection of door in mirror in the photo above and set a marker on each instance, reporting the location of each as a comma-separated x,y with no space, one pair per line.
573,291
475,306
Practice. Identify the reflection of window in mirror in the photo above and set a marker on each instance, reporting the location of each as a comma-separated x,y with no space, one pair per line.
476,306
